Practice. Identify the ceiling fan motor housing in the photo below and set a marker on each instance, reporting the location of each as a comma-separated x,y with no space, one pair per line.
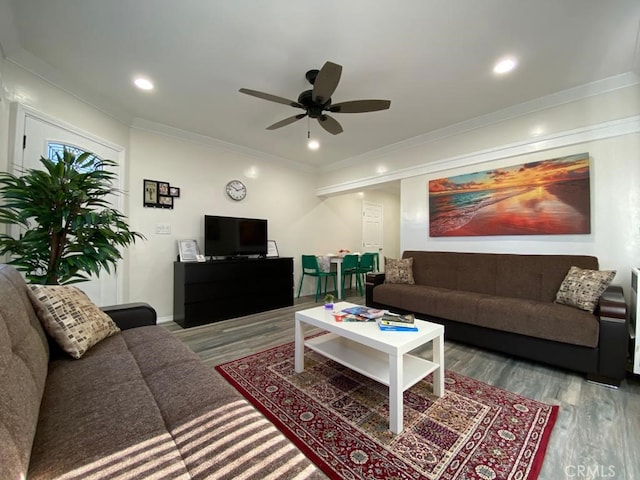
313,109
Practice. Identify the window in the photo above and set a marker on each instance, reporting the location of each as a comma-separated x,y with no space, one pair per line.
57,149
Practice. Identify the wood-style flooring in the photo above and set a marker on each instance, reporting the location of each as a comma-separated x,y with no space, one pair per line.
596,436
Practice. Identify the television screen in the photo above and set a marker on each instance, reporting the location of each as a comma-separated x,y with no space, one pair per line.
232,236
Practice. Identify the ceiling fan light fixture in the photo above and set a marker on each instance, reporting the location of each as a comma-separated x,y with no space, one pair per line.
313,144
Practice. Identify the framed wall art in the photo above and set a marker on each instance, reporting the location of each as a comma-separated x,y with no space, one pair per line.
165,201
548,197
150,193
157,194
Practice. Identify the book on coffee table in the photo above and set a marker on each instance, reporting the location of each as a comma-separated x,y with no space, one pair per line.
397,320
397,327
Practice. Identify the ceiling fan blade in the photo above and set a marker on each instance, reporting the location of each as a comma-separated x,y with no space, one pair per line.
286,121
326,82
360,106
271,98
331,125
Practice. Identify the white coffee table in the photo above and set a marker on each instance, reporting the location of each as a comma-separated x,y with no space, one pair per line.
380,355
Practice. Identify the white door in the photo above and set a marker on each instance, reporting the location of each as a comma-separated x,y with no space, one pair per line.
41,137
372,231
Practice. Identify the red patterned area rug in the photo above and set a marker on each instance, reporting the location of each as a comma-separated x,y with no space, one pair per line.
339,419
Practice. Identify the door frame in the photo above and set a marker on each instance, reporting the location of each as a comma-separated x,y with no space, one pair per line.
17,122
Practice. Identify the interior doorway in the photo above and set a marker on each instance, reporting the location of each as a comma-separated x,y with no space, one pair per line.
372,228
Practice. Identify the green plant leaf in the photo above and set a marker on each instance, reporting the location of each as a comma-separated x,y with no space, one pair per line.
69,231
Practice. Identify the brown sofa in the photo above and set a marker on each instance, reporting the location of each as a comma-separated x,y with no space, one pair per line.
139,404
505,302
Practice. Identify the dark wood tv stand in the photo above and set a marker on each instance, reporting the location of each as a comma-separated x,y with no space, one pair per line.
221,289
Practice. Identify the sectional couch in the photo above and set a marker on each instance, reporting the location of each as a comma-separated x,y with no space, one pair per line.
506,302
137,405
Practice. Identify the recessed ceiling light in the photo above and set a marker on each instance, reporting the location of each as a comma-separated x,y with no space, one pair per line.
143,83
505,65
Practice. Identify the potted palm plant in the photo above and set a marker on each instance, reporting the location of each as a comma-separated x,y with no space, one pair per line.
69,230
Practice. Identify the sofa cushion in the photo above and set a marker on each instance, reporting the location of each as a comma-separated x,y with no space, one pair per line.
99,419
398,270
582,288
545,320
71,319
23,369
549,321
534,277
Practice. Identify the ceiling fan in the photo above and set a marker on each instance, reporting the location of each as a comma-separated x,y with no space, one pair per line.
318,100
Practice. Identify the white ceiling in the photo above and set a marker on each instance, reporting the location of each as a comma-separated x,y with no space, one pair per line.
432,58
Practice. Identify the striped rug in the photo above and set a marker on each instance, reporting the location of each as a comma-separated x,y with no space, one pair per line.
339,419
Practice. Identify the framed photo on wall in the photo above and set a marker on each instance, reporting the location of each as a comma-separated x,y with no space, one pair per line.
163,188
165,201
150,193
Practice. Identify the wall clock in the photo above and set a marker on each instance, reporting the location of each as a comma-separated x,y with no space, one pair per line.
236,190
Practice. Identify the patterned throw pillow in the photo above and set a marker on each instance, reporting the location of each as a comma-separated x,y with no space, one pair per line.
398,271
70,318
582,288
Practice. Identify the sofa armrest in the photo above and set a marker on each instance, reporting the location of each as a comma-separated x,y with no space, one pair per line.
372,280
614,335
612,303
131,315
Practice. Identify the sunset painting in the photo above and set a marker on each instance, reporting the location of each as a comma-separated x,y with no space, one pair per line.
550,197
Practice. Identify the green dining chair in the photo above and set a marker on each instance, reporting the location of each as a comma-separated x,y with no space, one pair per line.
311,268
366,264
350,269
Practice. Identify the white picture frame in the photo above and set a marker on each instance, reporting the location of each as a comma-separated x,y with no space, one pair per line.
188,250
272,249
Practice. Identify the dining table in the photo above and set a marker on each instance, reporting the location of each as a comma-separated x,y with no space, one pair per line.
325,262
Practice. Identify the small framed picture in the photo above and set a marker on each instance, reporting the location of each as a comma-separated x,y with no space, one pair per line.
165,201
150,193
163,188
174,191
272,249
188,250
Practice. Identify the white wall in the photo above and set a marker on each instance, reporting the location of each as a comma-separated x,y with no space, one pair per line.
615,238
302,222
604,125
299,220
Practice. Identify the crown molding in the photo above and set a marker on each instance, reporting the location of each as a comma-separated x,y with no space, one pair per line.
600,131
552,100
162,129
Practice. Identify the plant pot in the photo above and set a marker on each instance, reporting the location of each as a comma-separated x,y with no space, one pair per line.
328,306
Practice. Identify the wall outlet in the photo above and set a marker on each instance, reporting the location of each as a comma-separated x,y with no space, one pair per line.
163,228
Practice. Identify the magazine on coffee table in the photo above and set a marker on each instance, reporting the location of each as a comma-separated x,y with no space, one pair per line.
364,312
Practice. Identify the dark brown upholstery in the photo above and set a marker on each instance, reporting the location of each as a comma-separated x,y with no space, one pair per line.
510,298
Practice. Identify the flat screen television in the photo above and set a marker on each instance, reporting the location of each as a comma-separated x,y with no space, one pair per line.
234,237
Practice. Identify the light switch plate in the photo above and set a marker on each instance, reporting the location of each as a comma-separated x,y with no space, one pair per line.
163,228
